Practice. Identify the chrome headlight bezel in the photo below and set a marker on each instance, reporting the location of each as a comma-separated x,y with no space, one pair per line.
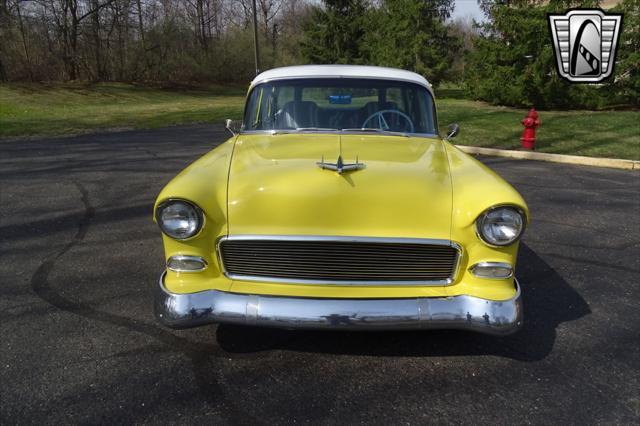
485,214
197,211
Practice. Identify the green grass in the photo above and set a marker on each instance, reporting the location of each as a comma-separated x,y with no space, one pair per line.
59,109
614,134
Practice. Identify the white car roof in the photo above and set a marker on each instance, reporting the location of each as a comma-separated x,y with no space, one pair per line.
340,71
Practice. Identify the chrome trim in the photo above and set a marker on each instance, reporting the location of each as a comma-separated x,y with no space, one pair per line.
458,312
459,260
273,132
428,86
340,166
352,239
199,211
340,77
492,264
525,219
186,257
374,131
383,240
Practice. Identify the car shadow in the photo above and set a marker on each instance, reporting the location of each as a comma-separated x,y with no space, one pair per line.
548,302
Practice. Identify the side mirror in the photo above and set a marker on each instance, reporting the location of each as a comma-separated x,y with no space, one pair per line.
232,126
454,129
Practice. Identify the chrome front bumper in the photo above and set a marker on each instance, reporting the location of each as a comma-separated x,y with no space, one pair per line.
458,312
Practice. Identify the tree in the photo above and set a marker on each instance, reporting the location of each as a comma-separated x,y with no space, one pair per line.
269,10
463,30
412,35
513,62
408,34
334,34
627,81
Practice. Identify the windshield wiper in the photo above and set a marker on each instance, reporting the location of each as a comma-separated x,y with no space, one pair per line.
375,130
326,129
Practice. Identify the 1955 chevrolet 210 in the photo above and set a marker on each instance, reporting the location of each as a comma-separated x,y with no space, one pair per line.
338,205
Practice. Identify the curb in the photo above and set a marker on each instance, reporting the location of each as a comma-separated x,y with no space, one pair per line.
554,158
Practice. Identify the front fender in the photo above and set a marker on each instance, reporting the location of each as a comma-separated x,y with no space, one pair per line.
476,188
204,183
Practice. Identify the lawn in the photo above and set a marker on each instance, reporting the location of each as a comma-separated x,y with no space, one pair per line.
614,134
58,109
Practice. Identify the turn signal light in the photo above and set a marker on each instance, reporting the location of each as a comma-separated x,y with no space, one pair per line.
492,270
186,264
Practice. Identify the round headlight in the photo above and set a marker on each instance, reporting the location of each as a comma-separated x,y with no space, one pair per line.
500,226
179,219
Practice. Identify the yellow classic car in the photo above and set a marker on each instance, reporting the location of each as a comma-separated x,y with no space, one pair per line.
337,205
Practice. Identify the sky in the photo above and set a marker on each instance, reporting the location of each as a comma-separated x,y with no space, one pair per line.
467,8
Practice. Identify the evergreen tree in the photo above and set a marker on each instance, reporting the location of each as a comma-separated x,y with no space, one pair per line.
411,34
334,33
408,34
513,61
627,81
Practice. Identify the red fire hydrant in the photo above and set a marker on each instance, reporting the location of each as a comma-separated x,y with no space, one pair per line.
530,122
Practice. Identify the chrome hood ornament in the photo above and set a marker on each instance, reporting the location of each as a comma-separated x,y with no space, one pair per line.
340,166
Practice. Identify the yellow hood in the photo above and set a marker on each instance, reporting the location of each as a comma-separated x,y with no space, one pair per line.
275,186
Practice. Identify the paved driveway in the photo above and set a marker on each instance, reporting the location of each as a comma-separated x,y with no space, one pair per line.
80,256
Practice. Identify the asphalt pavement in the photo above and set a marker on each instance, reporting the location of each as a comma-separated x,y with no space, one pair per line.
80,257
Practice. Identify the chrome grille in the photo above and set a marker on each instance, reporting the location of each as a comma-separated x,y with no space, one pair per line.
339,260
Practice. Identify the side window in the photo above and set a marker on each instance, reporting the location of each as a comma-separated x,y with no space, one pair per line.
395,96
364,95
281,97
317,95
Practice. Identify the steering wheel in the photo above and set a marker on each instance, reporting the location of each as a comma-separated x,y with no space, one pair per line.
382,123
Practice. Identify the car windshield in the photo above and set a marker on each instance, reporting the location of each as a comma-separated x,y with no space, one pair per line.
340,104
